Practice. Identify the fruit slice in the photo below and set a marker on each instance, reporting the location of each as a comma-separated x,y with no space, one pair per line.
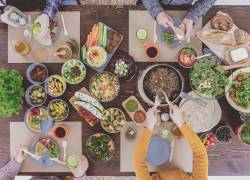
141,34
72,161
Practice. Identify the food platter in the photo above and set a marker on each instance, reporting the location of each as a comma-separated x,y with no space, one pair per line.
201,119
173,93
104,86
73,71
113,120
227,91
101,44
100,147
47,148
33,118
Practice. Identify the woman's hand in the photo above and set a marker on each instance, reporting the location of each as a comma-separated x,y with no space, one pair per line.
187,26
176,115
82,168
164,19
19,154
151,118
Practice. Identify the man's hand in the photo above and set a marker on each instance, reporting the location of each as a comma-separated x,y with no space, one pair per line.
82,167
164,19
151,118
176,115
187,26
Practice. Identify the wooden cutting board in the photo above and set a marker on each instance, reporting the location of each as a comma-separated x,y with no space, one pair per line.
72,22
141,19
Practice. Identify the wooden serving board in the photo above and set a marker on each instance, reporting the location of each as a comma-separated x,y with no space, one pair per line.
73,98
131,114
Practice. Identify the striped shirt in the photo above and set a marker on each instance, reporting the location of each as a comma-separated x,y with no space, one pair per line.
198,9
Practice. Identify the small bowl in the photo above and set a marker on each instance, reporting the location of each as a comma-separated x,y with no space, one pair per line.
211,147
231,133
29,70
67,110
27,96
46,85
181,63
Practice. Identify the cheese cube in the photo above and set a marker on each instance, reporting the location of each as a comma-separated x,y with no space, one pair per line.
239,54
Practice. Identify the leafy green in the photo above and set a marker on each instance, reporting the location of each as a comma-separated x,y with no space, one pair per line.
53,151
99,147
240,90
208,79
245,133
168,38
11,92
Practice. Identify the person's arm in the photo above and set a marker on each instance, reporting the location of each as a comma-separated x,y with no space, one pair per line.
140,155
200,158
10,170
153,6
51,8
199,9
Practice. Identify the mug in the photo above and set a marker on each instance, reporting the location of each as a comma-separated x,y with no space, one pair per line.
152,51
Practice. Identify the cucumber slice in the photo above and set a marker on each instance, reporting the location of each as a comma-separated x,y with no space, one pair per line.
104,39
101,26
83,52
141,34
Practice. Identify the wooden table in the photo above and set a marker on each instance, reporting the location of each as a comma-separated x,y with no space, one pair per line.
232,159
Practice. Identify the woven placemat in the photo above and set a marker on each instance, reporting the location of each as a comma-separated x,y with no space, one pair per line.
109,2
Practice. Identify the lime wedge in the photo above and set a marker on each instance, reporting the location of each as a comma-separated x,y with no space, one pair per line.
141,34
72,161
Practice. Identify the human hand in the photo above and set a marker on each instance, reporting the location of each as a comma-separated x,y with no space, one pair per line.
81,168
5,15
19,154
187,26
176,115
151,118
43,20
164,19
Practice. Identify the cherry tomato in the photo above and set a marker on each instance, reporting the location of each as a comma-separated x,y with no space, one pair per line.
231,94
239,77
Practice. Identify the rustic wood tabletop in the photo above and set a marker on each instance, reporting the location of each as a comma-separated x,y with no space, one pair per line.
231,159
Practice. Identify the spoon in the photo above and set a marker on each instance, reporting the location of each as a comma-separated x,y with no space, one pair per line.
37,157
205,55
157,101
64,26
64,145
195,100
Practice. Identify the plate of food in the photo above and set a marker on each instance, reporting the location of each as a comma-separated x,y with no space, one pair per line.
33,118
101,44
238,90
113,120
186,57
123,66
104,86
35,95
158,78
100,147
166,35
58,110
87,106
55,85
199,118
73,71
208,79
46,148
37,73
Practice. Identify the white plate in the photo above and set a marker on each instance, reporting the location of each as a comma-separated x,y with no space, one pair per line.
230,101
213,113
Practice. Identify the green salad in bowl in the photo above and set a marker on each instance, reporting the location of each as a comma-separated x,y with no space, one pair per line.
73,71
208,79
100,147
